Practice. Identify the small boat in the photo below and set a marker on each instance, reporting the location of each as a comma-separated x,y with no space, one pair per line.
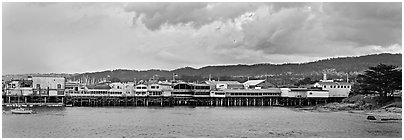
69,105
21,111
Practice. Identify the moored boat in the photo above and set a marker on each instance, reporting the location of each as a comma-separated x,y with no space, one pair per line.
21,111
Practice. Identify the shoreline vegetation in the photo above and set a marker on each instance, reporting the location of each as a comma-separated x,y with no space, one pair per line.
361,104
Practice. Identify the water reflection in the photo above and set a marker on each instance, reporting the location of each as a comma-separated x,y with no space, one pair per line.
200,122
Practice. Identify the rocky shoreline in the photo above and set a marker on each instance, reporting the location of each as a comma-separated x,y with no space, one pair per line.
386,113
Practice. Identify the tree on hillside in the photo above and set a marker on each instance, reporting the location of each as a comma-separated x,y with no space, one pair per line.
305,81
115,79
382,79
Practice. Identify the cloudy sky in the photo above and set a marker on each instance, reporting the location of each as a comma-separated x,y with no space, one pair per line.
83,37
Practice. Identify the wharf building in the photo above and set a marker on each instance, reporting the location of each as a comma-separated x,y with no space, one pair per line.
59,91
36,90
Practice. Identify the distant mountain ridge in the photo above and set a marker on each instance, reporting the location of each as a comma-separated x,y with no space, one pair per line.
333,66
351,65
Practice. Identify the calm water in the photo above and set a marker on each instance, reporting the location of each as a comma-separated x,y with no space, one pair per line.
201,122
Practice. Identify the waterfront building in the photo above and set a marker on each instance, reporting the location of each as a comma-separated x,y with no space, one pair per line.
335,89
141,90
182,89
218,93
258,84
74,88
154,90
166,89
304,93
20,87
51,86
116,89
218,85
128,89
201,90
269,92
102,90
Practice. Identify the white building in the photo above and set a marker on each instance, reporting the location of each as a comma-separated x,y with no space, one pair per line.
116,89
154,90
220,85
304,93
335,89
166,89
258,84
128,89
53,85
140,90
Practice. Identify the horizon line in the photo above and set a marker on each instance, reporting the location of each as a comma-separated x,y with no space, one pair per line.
217,65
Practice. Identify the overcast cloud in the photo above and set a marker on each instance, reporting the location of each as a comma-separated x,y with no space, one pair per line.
80,37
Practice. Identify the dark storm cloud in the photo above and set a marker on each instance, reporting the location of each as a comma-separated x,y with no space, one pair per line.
78,37
198,14
288,26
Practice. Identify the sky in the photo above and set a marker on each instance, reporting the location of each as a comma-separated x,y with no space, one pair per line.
88,37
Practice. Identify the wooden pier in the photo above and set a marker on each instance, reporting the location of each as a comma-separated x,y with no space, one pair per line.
92,101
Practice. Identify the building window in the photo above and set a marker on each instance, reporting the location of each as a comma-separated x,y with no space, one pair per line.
38,86
59,86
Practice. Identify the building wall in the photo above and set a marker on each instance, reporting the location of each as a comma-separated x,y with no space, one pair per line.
128,89
166,89
297,94
13,84
317,94
336,90
51,82
285,92
218,94
339,92
20,92
140,90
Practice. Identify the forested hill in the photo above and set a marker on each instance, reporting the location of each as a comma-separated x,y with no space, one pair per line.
333,66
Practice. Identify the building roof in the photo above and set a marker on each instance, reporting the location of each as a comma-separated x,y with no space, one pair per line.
253,82
306,89
199,84
223,82
141,85
48,77
333,83
269,90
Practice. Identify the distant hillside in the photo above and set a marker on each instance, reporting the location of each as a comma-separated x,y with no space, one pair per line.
19,76
334,66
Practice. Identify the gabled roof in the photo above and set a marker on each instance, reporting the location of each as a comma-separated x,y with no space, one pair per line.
253,82
193,84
